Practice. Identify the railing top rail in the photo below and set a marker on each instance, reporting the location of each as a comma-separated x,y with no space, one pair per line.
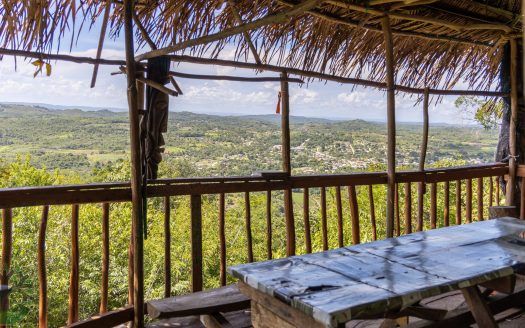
121,192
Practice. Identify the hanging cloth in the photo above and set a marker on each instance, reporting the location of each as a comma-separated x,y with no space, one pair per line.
278,109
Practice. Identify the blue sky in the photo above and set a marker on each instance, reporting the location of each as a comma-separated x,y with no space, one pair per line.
69,86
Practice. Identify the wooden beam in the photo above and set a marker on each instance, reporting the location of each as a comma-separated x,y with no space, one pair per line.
479,308
245,34
511,183
136,171
422,158
61,57
101,43
274,19
391,125
333,78
7,253
234,78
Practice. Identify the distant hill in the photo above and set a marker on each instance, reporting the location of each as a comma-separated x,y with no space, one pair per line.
80,140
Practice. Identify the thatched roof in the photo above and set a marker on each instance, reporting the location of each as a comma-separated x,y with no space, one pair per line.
436,41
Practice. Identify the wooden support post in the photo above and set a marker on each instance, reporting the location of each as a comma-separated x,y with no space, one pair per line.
74,274
167,247
196,243
42,274
136,170
421,188
391,125
285,136
104,284
511,182
7,250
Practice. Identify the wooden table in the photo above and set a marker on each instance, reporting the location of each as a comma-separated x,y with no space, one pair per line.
387,278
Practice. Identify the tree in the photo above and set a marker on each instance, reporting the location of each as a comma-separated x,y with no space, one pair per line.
488,113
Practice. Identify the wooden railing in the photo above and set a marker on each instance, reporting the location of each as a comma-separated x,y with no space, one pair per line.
434,188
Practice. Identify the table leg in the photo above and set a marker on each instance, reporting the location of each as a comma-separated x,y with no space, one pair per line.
479,308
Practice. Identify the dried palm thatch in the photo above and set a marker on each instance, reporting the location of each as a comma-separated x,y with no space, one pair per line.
437,42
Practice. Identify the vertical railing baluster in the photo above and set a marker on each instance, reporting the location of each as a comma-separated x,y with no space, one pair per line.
408,208
248,219
522,199
446,204
433,205
196,243
458,202
269,253
222,238
306,220
480,198
324,223
468,205
354,215
340,236
420,205
167,247
491,192
7,253
398,211
74,263
104,281
497,191
372,212
131,269
42,274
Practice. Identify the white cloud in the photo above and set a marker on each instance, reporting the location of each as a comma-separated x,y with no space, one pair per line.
351,97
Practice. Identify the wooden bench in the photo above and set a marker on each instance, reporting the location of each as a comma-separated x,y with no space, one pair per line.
210,306
389,278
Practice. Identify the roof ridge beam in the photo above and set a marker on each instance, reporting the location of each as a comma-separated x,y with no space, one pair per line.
267,20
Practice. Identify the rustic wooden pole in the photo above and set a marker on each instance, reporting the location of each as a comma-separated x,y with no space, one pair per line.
306,220
372,212
479,191
446,204
136,170
285,149
408,208
7,252
104,284
422,158
269,252
248,221
167,247
458,201
42,275
511,183
339,207
391,125
324,219
73,309
354,215
101,42
196,242
222,239
468,201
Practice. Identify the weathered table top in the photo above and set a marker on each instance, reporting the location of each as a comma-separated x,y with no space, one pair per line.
383,276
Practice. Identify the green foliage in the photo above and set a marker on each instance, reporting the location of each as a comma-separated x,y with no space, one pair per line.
488,113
